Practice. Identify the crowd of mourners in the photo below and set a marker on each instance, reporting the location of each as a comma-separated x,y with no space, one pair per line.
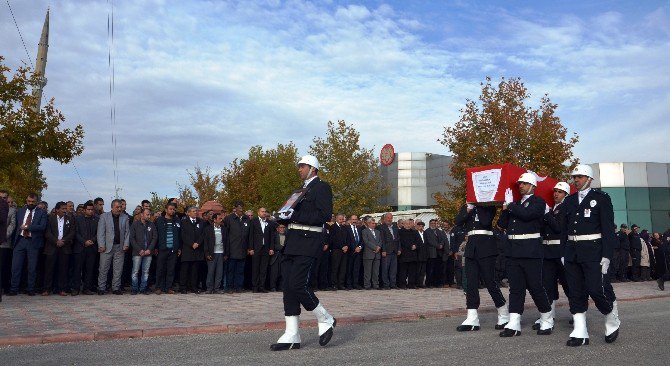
72,250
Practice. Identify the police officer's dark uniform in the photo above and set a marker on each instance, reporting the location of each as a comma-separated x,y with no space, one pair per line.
480,259
304,242
523,222
553,245
590,244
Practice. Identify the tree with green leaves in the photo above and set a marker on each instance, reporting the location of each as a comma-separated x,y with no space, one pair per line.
501,128
28,135
351,170
203,187
264,179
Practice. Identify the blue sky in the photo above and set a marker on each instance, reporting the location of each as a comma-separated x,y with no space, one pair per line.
199,82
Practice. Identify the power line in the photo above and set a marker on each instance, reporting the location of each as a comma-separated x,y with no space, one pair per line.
20,35
112,101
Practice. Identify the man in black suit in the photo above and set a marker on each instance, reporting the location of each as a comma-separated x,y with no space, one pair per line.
58,247
304,241
261,241
85,250
390,250
29,239
523,221
588,252
192,251
355,260
340,244
480,259
408,257
237,246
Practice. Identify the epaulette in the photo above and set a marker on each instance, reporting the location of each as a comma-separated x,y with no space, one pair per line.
600,191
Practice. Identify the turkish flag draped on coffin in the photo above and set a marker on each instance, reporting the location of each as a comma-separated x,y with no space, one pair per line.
487,184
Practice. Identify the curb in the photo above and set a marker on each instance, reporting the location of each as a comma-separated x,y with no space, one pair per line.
246,327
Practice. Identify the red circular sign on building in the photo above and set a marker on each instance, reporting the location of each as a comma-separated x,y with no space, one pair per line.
387,155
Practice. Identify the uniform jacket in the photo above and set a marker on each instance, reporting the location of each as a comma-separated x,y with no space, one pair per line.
261,241
51,235
37,226
480,218
86,229
192,233
237,236
554,229
139,233
106,231
314,209
523,218
161,227
370,243
594,215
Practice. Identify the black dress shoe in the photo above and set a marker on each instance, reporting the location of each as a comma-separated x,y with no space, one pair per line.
325,337
544,331
661,284
100,292
536,326
612,337
510,333
576,342
12,293
284,346
117,292
467,328
30,293
500,326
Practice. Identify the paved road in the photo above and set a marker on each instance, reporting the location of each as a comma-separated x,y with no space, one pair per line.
644,340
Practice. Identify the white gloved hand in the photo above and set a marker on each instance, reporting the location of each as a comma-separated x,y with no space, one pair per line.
285,215
509,197
563,260
470,206
605,265
547,208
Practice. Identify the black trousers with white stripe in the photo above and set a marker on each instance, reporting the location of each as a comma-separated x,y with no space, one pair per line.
526,274
585,279
296,271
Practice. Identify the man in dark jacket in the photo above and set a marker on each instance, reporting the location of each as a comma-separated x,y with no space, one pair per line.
143,238
621,255
85,250
635,252
390,249
340,244
408,258
192,251
58,247
237,246
168,227
523,221
261,241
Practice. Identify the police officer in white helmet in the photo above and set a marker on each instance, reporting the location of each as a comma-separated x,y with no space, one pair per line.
553,243
522,221
588,251
305,219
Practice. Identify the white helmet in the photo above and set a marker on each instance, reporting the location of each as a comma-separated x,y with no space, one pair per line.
309,160
565,187
528,178
583,169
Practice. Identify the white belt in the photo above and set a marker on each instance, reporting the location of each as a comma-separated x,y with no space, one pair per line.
316,229
584,237
480,232
551,242
524,236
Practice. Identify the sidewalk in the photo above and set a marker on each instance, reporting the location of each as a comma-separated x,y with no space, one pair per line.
34,320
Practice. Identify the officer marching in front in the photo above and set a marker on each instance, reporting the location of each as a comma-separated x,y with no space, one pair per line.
523,222
553,243
304,242
480,259
590,245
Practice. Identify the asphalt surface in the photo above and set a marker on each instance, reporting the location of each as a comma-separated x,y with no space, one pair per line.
644,339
